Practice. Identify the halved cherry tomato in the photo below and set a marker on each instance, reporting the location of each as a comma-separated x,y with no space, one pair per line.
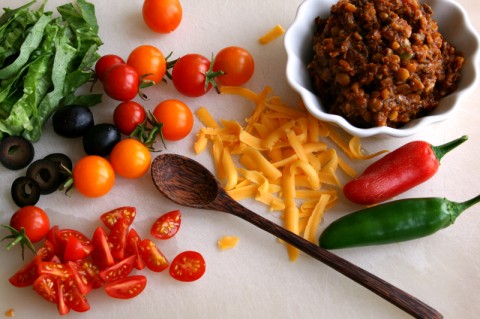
167,225
130,158
75,249
188,266
93,176
111,217
46,286
34,220
53,268
117,238
131,248
121,82
149,63
176,117
128,115
191,75
106,62
126,288
236,63
119,270
72,296
101,254
153,257
162,16
27,274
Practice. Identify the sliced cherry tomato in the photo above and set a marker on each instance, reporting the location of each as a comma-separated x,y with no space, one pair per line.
54,269
46,286
80,276
236,63
126,288
75,249
176,117
93,176
88,268
121,82
167,225
72,296
106,62
191,75
34,220
47,251
162,16
62,307
128,115
110,218
130,158
131,248
117,238
119,270
188,266
149,63
62,236
153,257
27,274
101,254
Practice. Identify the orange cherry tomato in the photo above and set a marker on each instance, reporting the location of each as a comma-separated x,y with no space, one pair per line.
176,117
162,16
237,63
93,176
130,158
147,59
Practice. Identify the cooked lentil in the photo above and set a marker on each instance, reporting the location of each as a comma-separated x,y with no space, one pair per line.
382,62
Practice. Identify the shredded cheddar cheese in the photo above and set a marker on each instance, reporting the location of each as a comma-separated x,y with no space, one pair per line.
227,242
280,157
272,34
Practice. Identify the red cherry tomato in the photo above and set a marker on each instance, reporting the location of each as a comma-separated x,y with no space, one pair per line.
162,16
237,64
153,257
149,63
176,117
46,287
121,82
132,248
118,270
34,220
101,254
27,274
190,75
126,288
105,63
93,176
117,238
167,225
188,266
111,217
130,158
128,115
75,249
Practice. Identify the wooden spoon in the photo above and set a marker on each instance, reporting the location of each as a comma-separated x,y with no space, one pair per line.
188,183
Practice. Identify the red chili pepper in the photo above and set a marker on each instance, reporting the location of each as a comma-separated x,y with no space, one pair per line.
398,171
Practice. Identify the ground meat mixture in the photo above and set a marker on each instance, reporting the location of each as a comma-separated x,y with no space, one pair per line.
382,62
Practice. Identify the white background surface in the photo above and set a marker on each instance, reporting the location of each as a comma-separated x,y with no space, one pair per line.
256,279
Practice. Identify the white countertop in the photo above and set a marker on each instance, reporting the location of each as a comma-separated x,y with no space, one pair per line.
256,278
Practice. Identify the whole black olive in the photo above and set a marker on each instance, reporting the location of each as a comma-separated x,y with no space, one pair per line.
100,139
16,152
47,174
72,121
25,191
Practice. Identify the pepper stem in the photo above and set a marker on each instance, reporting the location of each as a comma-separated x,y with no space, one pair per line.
458,208
441,150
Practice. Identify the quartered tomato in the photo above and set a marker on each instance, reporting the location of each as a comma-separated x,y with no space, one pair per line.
117,238
27,274
46,286
75,246
111,217
132,248
118,270
126,288
72,296
188,266
80,276
153,257
101,254
167,225
54,269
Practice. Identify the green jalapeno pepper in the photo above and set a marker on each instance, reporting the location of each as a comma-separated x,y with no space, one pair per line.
393,222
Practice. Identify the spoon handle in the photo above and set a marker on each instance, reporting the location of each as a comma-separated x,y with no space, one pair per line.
387,291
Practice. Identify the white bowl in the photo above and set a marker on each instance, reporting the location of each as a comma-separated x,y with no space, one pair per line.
453,23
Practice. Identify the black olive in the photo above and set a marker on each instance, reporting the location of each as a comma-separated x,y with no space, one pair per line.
100,139
47,174
25,191
72,121
63,162
16,152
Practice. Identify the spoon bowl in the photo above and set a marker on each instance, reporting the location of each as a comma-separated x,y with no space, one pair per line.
188,183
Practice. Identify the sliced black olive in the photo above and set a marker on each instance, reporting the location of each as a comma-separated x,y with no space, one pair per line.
47,174
72,121
100,139
25,191
16,152
64,164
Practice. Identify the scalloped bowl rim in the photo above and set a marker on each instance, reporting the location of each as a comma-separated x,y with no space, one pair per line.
451,18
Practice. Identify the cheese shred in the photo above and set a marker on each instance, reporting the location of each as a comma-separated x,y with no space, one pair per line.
282,158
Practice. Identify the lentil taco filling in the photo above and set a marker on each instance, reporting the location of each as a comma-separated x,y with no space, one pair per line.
382,62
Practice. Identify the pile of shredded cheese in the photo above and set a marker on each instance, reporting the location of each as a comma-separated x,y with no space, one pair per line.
282,160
